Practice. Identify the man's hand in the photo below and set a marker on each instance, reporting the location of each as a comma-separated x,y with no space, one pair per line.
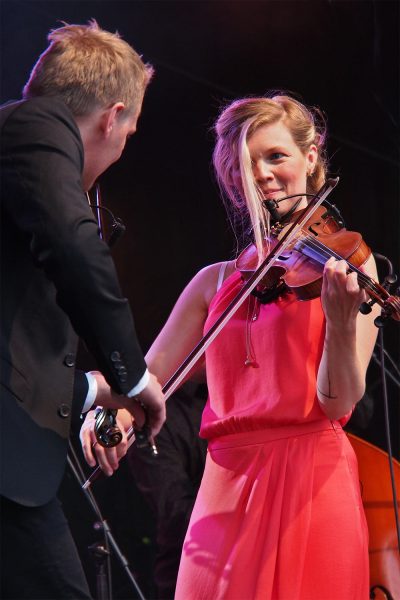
107,458
151,400
147,407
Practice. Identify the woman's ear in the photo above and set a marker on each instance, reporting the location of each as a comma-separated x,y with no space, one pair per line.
311,158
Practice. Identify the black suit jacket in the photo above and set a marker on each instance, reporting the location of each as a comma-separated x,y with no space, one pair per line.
58,282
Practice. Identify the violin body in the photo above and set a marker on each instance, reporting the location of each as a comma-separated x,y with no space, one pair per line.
301,266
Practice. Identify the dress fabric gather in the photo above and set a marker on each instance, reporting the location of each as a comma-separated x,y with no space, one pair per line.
279,512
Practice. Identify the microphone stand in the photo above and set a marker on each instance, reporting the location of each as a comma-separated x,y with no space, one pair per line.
388,439
388,373
390,279
100,553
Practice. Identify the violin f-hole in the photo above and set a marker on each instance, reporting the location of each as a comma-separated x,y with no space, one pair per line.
312,230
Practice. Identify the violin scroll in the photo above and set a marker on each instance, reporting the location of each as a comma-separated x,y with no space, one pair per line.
380,293
390,309
106,430
391,305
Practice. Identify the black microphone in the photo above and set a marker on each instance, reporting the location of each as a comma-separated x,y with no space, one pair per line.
272,205
117,226
117,231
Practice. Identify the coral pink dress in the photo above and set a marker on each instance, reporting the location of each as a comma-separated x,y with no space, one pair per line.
279,513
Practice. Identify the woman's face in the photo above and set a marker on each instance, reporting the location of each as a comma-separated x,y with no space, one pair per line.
279,166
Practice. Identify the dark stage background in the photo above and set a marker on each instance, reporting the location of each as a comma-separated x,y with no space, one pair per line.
341,56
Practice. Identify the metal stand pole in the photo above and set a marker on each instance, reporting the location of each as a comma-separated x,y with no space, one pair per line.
103,579
100,555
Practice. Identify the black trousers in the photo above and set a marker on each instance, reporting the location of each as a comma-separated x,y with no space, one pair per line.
38,558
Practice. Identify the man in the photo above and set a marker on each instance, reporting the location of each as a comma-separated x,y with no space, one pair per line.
81,103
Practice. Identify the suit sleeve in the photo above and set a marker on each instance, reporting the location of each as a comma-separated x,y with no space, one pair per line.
44,197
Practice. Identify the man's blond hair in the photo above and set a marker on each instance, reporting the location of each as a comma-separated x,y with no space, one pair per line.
89,68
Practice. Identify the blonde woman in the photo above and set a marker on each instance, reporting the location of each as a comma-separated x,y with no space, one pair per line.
279,512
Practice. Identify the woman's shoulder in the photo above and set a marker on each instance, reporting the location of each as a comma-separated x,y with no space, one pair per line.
210,278
219,270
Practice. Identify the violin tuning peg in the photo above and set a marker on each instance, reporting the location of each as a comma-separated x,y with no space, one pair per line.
390,280
366,307
380,321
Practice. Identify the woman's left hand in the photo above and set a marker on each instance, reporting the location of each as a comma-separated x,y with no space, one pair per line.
341,294
349,338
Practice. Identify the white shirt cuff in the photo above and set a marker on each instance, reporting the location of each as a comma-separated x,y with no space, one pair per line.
139,387
92,392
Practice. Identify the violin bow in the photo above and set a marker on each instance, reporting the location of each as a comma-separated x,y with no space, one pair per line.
176,379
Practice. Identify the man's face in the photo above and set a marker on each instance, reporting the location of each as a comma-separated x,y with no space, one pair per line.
122,129
105,142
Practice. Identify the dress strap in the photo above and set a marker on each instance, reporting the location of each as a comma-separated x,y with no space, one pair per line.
221,275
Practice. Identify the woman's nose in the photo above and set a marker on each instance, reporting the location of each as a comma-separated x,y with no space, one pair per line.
262,171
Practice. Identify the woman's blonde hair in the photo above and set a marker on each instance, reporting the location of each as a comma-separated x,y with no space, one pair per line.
89,68
233,128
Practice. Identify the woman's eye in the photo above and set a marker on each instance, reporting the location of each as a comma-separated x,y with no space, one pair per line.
277,155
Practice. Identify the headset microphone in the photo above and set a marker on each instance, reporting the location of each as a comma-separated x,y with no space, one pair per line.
271,206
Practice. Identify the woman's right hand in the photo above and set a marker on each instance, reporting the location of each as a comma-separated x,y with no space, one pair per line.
151,398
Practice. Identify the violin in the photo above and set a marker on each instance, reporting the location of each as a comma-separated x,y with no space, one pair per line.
299,267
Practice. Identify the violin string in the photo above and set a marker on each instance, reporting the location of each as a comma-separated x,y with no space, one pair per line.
325,252
363,279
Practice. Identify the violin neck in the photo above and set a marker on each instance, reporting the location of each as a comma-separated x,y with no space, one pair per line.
320,253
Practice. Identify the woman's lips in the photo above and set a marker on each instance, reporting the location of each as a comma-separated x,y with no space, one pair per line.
271,193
